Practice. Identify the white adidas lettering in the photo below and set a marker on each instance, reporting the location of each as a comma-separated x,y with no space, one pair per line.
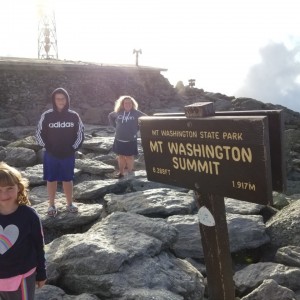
61,124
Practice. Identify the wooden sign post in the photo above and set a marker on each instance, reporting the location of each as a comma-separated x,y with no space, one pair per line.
215,156
213,229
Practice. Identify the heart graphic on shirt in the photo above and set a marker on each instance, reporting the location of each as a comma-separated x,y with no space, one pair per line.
8,237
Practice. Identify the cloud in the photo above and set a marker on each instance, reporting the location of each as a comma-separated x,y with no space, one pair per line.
276,78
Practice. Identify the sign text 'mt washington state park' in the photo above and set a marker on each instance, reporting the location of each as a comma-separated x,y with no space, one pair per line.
229,156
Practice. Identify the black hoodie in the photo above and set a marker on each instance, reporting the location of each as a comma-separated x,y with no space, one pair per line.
61,133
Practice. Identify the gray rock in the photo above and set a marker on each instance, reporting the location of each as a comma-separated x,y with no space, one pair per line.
16,132
98,144
34,174
161,202
111,266
51,292
39,194
93,166
3,153
141,183
242,207
245,232
27,142
284,227
253,275
20,157
289,255
87,214
270,289
150,294
164,275
188,243
94,189
280,200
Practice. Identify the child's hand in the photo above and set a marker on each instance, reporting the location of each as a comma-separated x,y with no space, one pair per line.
40,283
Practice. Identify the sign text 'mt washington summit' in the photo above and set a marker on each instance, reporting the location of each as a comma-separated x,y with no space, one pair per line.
201,157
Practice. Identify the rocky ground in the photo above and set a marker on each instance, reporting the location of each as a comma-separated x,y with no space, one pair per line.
136,239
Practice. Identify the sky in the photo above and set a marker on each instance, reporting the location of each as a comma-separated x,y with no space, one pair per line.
241,48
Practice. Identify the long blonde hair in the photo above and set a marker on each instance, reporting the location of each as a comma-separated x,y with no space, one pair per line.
10,176
119,104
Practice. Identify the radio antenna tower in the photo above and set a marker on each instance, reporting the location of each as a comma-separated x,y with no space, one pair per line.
47,40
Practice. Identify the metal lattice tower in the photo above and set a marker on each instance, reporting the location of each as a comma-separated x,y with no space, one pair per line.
47,40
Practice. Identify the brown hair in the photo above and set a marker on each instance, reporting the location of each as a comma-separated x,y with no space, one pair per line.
119,104
10,176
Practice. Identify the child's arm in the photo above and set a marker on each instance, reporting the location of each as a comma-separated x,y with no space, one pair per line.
38,238
79,134
41,133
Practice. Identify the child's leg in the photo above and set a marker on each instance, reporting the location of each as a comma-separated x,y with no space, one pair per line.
121,163
25,291
68,190
130,163
51,189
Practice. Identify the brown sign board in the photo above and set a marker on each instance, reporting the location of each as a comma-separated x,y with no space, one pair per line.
276,140
227,156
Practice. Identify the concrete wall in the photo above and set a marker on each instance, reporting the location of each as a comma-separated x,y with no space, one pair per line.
26,85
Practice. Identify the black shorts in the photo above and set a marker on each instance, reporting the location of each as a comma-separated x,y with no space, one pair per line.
125,148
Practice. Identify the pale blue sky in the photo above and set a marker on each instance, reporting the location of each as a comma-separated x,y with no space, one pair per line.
235,47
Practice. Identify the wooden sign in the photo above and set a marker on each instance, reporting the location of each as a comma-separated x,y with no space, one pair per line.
276,140
227,156
216,155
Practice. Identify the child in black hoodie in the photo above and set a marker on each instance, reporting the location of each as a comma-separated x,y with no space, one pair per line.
61,132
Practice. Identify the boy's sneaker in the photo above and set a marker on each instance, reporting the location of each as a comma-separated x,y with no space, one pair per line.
72,208
52,211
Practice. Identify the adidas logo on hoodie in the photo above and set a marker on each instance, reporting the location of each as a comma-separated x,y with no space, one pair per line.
61,124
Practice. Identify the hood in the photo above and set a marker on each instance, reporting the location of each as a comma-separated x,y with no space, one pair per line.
60,91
